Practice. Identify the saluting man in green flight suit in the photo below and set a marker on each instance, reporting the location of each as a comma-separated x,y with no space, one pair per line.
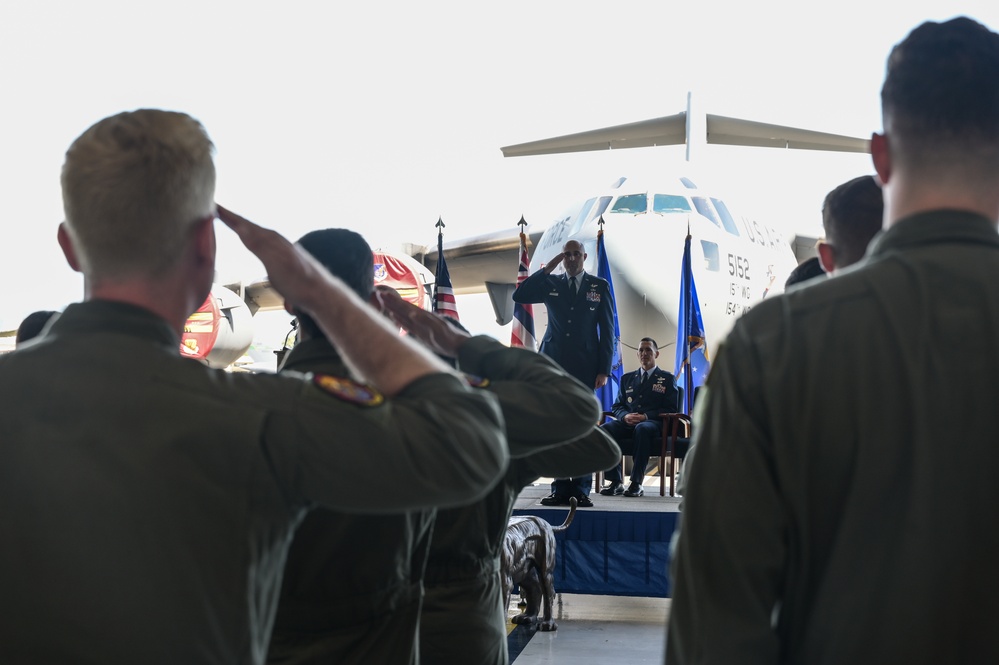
464,617
147,501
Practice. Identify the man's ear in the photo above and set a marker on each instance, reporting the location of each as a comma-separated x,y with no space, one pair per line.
880,157
289,308
68,250
827,256
204,241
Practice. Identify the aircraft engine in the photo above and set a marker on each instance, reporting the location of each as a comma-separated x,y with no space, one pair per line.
220,331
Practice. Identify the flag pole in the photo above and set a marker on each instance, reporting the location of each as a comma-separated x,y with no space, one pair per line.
443,301
608,393
522,330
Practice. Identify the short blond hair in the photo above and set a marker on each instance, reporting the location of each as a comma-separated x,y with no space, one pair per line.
132,186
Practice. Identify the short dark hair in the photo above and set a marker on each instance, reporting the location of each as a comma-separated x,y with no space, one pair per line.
655,347
852,214
347,255
940,98
806,270
32,325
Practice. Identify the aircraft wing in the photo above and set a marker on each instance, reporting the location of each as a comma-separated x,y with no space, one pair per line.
258,295
490,258
735,131
668,130
677,130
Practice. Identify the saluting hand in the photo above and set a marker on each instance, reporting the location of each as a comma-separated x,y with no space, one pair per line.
292,271
431,329
554,263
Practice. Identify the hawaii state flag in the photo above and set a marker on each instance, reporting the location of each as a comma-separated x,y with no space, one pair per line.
443,292
522,331
692,362
608,394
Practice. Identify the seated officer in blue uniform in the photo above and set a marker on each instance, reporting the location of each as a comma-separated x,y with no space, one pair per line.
645,394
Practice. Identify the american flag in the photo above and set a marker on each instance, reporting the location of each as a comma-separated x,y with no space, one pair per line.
522,332
443,292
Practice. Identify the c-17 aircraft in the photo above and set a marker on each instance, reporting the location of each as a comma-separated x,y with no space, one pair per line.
737,261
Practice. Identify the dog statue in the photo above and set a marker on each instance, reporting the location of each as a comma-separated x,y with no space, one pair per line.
528,559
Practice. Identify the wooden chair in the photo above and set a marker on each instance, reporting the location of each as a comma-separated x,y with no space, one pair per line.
674,446
677,432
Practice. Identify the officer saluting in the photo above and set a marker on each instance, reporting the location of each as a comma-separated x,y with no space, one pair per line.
579,337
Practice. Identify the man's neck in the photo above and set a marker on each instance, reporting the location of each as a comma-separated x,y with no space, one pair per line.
163,298
907,197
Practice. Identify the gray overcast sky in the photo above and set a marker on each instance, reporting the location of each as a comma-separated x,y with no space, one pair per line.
382,116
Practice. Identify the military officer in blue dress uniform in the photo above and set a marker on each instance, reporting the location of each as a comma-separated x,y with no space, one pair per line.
645,394
579,337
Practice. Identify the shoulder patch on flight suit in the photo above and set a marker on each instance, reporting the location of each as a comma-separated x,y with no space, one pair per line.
476,381
348,390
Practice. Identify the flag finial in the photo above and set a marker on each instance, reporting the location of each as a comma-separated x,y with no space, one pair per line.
443,302
522,330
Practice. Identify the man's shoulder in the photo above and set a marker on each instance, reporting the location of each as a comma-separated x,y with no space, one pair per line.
816,297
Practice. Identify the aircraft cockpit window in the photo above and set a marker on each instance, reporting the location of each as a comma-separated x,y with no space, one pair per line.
726,217
631,203
665,203
592,209
710,251
602,206
581,216
705,208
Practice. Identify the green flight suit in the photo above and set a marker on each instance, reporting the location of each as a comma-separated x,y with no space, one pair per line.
352,583
841,500
147,502
352,586
464,620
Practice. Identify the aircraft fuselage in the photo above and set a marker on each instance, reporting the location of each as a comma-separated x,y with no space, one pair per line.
736,261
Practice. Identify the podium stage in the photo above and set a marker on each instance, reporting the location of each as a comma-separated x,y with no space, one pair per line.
619,547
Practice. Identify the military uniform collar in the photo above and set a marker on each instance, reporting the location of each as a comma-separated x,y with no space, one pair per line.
109,316
935,227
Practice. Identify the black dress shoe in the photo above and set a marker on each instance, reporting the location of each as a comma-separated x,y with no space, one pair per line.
584,502
634,489
614,489
555,500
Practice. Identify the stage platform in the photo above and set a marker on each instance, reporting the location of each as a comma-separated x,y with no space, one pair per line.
618,547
